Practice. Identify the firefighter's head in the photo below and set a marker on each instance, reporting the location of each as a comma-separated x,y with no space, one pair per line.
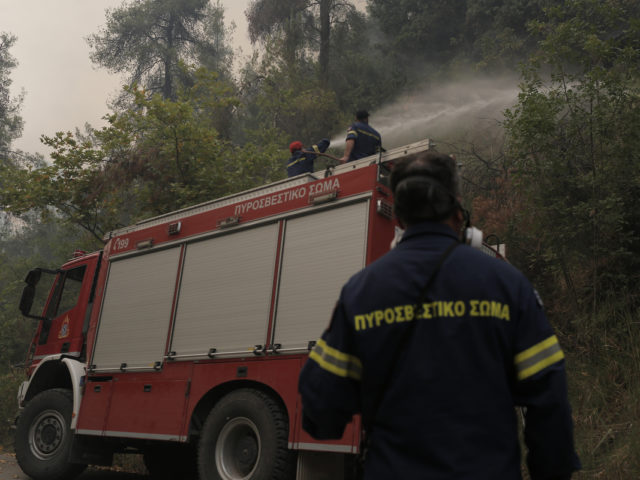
362,116
426,187
295,146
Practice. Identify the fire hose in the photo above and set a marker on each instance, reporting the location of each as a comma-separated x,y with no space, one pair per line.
330,164
324,155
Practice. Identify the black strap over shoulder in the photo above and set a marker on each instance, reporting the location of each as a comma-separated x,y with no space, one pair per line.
425,290
406,334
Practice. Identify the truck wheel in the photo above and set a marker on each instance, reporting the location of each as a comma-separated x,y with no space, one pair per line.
171,462
43,437
245,437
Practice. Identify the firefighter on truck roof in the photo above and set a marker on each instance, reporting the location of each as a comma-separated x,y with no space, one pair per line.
435,344
362,139
301,160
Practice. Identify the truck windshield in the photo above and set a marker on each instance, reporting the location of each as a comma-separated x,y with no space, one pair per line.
43,291
67,290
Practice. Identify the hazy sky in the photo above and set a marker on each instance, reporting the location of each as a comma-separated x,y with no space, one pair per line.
63,90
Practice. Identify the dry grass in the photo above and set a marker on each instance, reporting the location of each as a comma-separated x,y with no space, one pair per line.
603,366
9,383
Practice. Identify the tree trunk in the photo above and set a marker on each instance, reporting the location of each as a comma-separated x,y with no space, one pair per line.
325,32
167,87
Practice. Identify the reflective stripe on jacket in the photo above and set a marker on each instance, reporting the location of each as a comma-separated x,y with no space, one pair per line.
367,140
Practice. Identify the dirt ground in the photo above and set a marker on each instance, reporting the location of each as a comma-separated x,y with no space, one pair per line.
9,470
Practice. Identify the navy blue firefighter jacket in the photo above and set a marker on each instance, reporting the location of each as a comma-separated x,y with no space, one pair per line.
303,162
367,140
480,346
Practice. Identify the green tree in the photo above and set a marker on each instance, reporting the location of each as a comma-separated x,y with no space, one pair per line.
278,19
496,34
441,35
147,39
10,122
574,137
429,31
157,156
298,25
10,119
292,98
365,74
289,102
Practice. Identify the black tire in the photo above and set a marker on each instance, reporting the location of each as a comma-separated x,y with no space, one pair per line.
44,438
171,462
245,437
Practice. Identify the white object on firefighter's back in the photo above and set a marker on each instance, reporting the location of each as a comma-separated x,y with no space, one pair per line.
473,237
397,236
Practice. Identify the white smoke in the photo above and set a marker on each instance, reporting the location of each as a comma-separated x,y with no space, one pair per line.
443,112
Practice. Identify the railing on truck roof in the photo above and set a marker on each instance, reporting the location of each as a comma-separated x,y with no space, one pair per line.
384,157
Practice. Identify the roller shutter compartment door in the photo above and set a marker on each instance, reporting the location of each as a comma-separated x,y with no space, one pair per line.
321,252
225,293
136,311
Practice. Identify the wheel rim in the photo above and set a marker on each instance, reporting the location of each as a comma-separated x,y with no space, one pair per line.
238,449
46,434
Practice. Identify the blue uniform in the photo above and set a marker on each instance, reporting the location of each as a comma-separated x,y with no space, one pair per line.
303,162
480,346
367,140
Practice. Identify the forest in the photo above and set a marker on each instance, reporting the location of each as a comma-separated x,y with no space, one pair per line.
538,99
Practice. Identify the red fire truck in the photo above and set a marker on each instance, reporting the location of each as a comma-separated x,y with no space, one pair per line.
184,337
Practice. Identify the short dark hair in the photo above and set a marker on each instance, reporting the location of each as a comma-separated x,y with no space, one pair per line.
425,187
362,115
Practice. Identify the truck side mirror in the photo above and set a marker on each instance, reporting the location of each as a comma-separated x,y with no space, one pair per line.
33,277
29,292
26,301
